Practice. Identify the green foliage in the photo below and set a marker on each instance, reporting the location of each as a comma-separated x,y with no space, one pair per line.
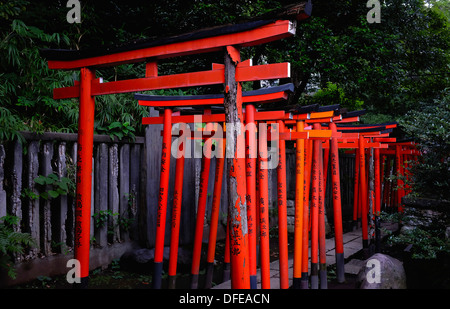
101,217
426,236
26,81
118,129
430,128
386,68
59,186
389,66
12,242
426,243
333,94
107,217
10,125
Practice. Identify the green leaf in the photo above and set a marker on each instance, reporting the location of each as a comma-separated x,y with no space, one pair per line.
114,125
63,186
41,180
53,193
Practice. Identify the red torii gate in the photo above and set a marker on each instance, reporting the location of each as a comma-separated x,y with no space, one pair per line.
361,138
226,38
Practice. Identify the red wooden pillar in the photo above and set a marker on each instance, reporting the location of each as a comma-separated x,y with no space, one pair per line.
227,257
321,225
201,210
237,204
399,165
263,177
356,190
363,192
299,193
84,174
162,200
282,211
337,208
176,209
215,210
251,154
306,213
315,213
377,188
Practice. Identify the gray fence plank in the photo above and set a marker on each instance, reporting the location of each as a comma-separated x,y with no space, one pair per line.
135,196
60,210
46,169
2,175
32,214
16,182
101,191
113,192
153,142
124,188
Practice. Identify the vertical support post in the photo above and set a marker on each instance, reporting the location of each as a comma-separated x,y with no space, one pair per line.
377,186
263,177
363,193
356,191
227,254
251,153
176,208
387,184
399,174
162,199
282,211
315,213
322,244
298,217
306,213
201,209
337,207
84,174
215,210
240,276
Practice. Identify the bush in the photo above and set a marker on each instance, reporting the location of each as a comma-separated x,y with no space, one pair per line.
12,242
430,128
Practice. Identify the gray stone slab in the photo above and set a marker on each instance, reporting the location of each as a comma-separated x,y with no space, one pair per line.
352,244
354,266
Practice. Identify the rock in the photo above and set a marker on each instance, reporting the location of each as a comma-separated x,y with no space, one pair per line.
141,260
406,229
143,256
381,271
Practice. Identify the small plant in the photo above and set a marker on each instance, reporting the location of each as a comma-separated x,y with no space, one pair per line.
44,280
117,129
59,186
12,242
101,218
426,243
104,216
427,240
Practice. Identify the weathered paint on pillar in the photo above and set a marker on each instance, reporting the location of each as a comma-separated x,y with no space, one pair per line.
237,211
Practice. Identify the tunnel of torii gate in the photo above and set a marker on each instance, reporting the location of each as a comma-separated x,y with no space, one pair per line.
318,132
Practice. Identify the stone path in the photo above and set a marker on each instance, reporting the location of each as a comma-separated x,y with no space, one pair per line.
352,244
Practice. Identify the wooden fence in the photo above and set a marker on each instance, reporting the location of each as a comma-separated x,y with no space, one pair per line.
125,185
